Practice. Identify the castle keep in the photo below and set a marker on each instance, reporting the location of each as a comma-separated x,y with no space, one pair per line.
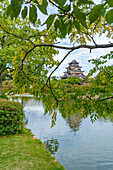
74,70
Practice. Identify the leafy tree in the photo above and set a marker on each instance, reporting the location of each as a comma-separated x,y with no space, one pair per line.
82,20
7,52
73,80
14,48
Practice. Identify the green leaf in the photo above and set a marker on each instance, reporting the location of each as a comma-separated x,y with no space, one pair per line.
77,25
43,6
63,27
81,2
79,15
9,10
24,12
60,2
42,9
65,8
17,11
56,24
69,27
110,2
83,22
49,20
16,7
95,12
16,3
109,16
12,16
33,14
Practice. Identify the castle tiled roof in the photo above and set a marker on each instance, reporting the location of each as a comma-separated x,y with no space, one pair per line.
73,70
73,62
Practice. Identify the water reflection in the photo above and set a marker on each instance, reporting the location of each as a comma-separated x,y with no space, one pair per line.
52,145
22,100
74,121
91,147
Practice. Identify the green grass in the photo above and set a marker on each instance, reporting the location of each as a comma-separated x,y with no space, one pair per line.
23,152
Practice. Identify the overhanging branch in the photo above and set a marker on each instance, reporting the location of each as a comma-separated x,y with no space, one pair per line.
76,47
107,98
68,48
57,67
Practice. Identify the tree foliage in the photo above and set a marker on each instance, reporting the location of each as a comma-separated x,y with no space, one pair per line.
30,70
77,15
31,52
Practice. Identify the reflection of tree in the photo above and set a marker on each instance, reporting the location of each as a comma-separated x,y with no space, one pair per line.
52,145
22,100
74,121
110,118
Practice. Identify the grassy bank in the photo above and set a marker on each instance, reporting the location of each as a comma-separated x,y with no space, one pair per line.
23,151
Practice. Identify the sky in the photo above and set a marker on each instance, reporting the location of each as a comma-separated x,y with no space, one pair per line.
81,55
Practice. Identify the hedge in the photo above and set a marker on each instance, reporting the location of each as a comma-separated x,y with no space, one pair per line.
11,117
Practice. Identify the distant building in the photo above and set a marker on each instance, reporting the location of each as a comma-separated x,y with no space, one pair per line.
74,70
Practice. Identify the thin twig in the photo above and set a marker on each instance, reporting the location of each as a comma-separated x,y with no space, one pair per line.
106,98
27,39
26,56
92,38
27,76
57,67
28,2
33,36
57,6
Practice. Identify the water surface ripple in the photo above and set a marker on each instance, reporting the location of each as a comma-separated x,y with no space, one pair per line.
76,143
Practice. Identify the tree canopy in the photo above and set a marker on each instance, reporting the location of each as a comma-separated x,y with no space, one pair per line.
31,50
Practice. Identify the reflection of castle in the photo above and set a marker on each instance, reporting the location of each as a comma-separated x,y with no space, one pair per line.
74,70
74,121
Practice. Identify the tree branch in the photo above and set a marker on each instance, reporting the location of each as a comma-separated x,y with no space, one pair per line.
76,47
57,6
26,56
27,76
66,48
16,35
6,75
57,67
106,98
3,69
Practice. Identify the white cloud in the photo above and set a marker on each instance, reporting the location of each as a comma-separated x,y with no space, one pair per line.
97,1
82,55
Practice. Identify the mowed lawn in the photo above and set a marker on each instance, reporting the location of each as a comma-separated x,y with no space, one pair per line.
24,152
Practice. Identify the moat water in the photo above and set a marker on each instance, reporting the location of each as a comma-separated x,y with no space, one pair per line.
76,143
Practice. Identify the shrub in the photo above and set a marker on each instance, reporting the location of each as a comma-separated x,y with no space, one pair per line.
11,117
4,96
73,80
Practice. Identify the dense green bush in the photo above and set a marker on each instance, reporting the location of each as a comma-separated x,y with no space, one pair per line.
11,117
73,80
4,96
